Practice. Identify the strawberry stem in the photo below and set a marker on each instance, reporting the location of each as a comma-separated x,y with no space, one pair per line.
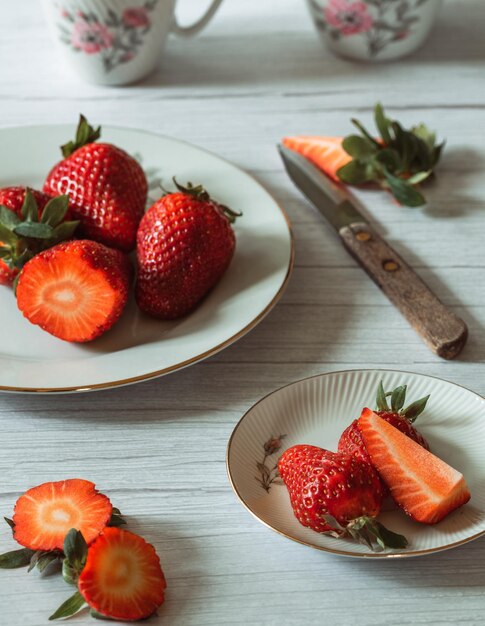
85,134
200,193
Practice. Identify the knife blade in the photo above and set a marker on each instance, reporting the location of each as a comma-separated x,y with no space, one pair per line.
443,331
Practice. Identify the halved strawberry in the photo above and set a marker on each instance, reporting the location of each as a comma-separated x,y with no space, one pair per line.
426,487
326,153
122,578
76,290
44,514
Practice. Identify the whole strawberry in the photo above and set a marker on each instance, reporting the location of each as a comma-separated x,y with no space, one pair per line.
107,188
76,290
351,440
336,493
185,243
30,221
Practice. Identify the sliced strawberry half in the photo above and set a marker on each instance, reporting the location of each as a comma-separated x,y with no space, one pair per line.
44,514
326,153
426,487
122,578
76,290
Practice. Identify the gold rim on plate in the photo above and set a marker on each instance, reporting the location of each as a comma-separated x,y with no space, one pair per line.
199,357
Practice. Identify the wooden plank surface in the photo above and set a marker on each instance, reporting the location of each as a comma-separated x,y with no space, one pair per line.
158,449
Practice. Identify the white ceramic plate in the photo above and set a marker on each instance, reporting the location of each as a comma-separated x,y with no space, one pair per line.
316,411
139,347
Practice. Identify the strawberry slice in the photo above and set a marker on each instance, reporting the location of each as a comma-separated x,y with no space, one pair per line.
76,290
44,514
326,153
426,487
122,578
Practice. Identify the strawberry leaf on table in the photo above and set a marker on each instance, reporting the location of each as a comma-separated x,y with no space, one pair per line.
16,558
70,607
397,161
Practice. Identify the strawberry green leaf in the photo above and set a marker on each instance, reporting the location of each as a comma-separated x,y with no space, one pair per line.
381,401
85,134
30,211
7,236
382,123
64,231
422,132
398,397
414,410
16,558
354,173
387,538
419,177
34,560
359,147
5,253
70,607
46,559
55,211
404,193
390,158
364,131
75,550
116,518
34,230
8,218
100,616
22,259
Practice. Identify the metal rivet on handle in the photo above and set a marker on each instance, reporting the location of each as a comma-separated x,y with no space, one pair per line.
390,265
363,236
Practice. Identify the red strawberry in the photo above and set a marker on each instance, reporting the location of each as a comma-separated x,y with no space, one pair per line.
76,290
122,578
106,186
422,484
43,515
25,231
185,244
336,493
326,153
351,440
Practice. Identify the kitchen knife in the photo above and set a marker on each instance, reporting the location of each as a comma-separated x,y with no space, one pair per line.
442,330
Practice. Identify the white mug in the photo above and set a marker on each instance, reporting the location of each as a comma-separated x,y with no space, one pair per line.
116,42
374,30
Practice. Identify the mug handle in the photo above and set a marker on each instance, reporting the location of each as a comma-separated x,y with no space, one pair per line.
188,31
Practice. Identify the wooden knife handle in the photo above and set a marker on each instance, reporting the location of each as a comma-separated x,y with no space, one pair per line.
442,330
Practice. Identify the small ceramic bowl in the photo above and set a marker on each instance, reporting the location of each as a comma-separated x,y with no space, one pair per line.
374,30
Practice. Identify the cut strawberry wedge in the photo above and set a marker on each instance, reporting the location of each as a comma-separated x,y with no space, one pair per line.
426,487
44,514
122,578
76,290
325,152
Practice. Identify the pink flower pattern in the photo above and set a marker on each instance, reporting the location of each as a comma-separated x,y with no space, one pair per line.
136,17
90,38
350,18
380,22
115,37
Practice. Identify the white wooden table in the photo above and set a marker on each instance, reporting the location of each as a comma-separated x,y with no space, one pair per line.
158,448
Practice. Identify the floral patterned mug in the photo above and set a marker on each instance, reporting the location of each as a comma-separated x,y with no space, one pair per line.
374,30
116,42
